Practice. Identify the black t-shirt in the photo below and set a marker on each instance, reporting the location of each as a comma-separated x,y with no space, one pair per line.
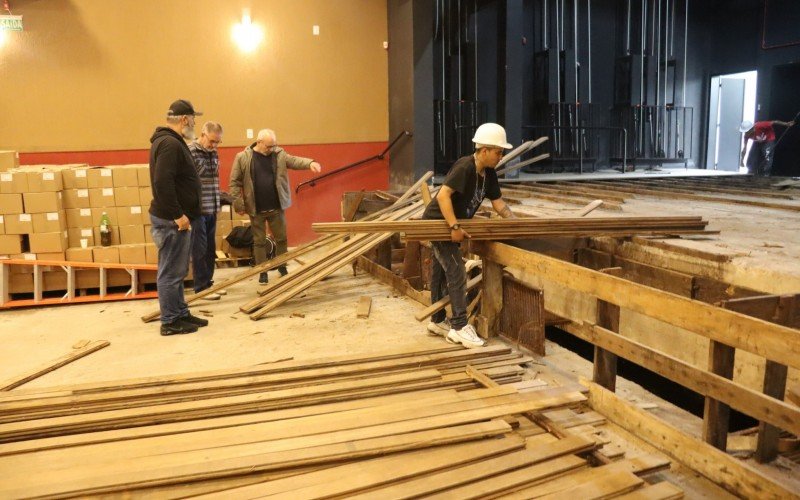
266,192
469,189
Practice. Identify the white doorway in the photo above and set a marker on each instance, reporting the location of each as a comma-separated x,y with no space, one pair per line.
732,101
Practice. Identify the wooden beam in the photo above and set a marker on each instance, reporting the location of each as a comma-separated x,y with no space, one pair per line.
776,342
737,396
731,473
492,303
716,414
8,384
775,386
391,279
444,301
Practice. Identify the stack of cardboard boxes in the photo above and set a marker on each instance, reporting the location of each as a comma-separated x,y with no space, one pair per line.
53,212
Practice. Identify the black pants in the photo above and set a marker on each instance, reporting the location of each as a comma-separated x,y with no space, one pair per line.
759,161
449,276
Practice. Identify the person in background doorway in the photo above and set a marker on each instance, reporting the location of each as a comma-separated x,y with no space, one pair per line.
470,180
176,202
759,161
260,187
204,227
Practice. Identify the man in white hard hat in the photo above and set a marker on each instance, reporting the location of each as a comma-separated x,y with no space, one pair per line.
470,180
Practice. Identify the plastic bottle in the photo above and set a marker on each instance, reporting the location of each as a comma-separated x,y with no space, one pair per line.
105,230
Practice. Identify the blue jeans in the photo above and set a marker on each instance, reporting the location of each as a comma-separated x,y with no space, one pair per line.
174,248
449,277
203,251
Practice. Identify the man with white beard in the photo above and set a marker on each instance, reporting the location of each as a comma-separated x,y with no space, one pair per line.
176,202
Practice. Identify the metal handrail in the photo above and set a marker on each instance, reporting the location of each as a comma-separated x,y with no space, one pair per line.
313,182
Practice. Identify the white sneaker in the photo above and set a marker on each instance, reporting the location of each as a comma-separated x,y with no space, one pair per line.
441,329
466,337
212,296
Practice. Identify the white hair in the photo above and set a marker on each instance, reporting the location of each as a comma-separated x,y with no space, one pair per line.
212,127
267,132
173,119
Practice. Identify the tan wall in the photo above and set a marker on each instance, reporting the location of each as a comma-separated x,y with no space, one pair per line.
100,74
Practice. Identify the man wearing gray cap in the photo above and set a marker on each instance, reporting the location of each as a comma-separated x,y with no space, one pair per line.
176,201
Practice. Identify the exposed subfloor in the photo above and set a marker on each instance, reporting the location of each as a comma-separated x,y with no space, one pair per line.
321,323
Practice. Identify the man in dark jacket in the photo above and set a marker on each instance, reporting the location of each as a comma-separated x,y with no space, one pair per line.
176,201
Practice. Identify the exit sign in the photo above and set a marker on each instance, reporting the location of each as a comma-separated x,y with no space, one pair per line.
11,23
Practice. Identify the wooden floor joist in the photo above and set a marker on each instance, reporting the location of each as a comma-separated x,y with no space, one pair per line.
76,354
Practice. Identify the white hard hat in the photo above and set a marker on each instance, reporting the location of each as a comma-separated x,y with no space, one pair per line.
491,134
745,126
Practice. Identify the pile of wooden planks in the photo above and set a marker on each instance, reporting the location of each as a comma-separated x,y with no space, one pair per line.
523,228
396,424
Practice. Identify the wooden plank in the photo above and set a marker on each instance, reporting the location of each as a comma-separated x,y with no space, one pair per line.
364,306
504,483
602,486
396,282
114,478
352,478
16,381
641,466
441,482
605,362
356,203
716,414
732,474
737,396
659,491
775,342
444,301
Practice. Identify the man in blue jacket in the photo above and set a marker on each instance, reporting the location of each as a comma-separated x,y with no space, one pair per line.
176,202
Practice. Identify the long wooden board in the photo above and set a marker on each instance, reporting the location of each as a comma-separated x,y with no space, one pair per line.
46,368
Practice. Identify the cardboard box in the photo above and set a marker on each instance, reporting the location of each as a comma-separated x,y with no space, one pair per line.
19,224
76,234
12,243
100,177
59,256
13,182
224,213
105,255
143,172
114,235
97,214
145,196
45,181
49,242
129,235
11,203
151,253
148,233
239,217
79,217
2,224
50,222
125,176
8,160
37,203
76,198
132,254
131,216
20,283
240,223
127,196
75,177
75,254
101,197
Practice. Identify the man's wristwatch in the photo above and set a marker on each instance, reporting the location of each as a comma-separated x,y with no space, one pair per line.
455,226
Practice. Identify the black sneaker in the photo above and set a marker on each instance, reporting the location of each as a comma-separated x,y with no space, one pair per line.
263,279
283,270
177,327
194,320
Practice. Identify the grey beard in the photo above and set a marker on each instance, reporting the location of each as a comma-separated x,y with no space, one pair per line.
188,133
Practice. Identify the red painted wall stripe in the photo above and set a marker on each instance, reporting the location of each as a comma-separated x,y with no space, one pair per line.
320,203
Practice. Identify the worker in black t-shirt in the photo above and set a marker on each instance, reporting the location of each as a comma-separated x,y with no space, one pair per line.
470,180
